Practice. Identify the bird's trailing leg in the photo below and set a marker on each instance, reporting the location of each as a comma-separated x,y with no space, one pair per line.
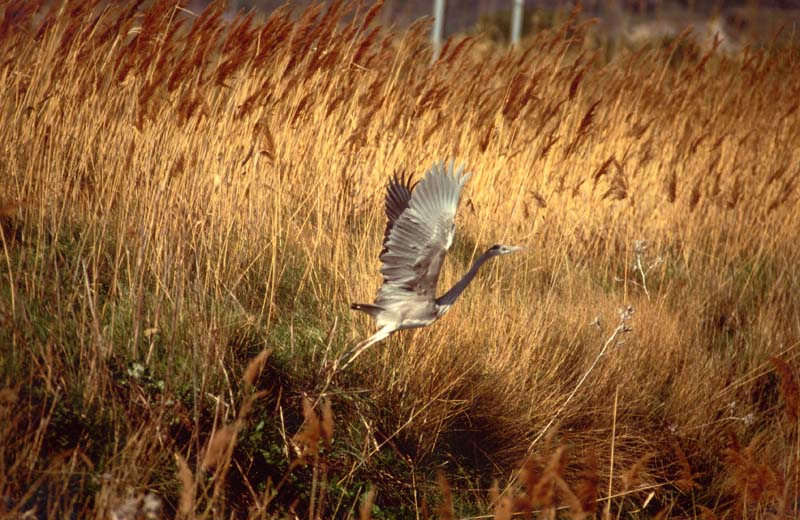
356,351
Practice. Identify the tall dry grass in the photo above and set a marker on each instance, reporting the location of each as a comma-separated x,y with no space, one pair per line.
182,190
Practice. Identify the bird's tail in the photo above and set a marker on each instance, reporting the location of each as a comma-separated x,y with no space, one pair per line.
370,309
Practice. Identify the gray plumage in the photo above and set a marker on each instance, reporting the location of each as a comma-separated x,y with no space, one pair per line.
420,229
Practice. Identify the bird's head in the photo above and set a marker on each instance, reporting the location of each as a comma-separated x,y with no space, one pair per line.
500,249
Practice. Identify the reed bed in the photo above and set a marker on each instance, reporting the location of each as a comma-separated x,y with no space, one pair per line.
190,201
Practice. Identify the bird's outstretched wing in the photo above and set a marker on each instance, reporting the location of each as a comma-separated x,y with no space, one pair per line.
420,235
398,193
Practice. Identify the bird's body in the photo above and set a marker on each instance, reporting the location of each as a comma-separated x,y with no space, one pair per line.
420,229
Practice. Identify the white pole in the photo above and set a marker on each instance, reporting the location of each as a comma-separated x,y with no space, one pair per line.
516,21
438,27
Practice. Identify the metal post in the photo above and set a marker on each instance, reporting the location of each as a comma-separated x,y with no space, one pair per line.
516,21
438,27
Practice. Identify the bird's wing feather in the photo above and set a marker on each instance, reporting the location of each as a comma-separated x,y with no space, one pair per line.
398,194
421,235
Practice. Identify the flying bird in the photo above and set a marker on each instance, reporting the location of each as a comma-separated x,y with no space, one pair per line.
420,229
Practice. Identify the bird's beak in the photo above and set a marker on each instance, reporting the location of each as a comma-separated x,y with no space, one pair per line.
513,249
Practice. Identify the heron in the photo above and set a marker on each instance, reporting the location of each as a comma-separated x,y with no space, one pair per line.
419,230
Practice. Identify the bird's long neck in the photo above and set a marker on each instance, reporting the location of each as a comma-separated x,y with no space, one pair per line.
447,299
